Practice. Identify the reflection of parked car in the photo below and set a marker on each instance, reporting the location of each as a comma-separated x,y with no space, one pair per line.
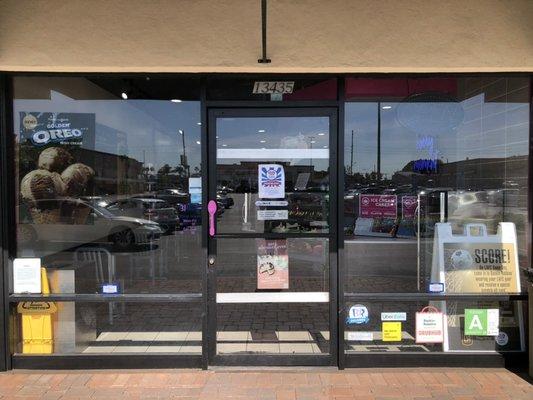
224,200
190,215
96,200
76,221
174,197
151,209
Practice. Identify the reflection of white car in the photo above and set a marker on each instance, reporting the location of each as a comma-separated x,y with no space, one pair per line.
76,222
467,205
155,210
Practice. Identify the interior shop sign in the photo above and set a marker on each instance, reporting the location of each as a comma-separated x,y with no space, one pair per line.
429,163
378,206
42,128
272,264
481,267
409,205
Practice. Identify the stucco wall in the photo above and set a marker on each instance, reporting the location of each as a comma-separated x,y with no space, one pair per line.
304,35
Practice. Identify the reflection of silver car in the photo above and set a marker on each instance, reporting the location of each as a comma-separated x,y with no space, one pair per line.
78,222
155,210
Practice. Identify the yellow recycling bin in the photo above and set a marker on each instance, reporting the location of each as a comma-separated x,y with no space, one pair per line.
37,335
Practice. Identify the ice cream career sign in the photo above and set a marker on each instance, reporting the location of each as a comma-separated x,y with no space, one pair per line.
43,128
378,206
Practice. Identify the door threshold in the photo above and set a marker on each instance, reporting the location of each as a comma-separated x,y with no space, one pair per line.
258,368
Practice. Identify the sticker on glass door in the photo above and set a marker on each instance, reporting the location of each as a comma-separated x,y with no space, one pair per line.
272,264
271,181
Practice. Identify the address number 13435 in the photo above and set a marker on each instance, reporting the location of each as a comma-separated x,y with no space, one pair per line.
273,87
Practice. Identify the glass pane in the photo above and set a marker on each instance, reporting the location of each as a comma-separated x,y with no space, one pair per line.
239,261
449,334
419,147
108,182
273,328
115,328
297,149
257,280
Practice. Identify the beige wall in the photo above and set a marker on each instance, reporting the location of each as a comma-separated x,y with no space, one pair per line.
304,35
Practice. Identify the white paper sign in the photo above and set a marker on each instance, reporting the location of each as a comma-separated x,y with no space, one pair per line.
393,316
493,322
27,275
271,181
271,203
272,215
429,327
361,336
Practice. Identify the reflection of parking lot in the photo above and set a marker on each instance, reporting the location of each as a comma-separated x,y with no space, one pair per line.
173,266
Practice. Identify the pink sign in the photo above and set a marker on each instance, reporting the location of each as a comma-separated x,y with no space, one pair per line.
409,205
378,206
272,264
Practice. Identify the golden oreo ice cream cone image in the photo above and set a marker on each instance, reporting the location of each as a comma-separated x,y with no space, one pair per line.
41,184
55,159
76,178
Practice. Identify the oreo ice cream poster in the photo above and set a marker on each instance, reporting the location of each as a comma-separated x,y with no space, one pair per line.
56,161
47,128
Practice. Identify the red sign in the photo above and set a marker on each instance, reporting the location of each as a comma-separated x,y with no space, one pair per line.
378,206
409,205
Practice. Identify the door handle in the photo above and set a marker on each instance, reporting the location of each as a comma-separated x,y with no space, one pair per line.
212,209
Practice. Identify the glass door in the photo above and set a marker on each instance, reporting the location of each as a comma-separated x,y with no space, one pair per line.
272,273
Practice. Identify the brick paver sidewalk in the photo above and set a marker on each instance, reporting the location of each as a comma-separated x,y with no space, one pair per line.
267,384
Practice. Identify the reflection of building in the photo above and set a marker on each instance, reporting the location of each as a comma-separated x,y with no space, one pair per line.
244,175
478,173
114,174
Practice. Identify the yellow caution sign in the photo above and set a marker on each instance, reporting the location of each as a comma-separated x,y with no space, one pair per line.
36,316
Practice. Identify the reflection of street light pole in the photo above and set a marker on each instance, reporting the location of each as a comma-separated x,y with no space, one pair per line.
379,143
311,141
184,156
351,156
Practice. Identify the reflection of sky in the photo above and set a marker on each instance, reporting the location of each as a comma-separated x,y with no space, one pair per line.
146,130
275,133
485,130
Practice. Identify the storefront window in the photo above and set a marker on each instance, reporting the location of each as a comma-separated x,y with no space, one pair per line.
267,326
436,191
108,194
300,147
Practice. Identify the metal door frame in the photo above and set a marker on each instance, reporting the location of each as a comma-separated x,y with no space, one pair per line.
332,236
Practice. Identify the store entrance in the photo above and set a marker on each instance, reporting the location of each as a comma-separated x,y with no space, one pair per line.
272,271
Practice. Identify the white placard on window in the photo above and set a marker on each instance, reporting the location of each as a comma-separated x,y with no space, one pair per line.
27,275
272,215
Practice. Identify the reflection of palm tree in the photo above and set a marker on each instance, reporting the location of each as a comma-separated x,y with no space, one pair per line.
164,170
